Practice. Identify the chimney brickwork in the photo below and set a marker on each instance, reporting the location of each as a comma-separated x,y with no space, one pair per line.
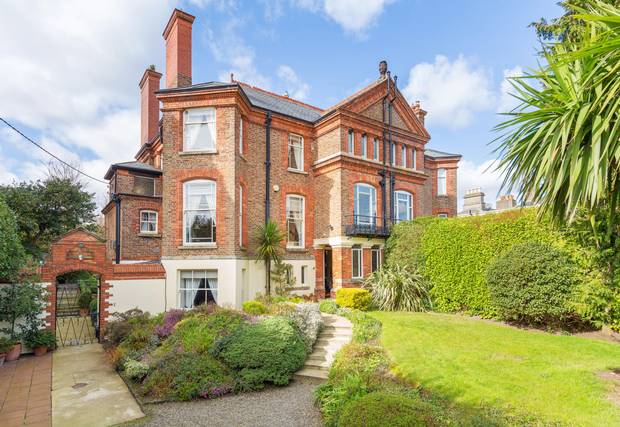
178,37
149,105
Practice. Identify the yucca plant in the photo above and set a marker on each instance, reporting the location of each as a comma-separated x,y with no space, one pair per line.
396,288
561,145
268,239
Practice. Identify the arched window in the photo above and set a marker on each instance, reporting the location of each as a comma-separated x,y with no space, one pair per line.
199,212
365,204
403,206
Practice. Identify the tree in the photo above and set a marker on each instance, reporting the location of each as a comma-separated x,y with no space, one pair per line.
46,209
12,256
561,145
268,239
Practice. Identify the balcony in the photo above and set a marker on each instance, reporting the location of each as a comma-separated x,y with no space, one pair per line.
366,226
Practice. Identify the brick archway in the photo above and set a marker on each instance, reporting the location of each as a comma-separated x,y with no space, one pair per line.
78,250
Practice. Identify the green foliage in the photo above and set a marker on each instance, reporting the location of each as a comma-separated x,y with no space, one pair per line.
198,333
85,299
122,324
255,308
307,319
365,327
40,338
45,210
282,276
382,408
269,351
328,306
135,370
532,284
12,256
21,305
6,344
396,288
186,376
355,298
404,247
268,240
598,303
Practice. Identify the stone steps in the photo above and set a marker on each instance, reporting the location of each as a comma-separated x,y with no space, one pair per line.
336,332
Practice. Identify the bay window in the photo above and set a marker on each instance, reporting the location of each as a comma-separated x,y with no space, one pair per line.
295,221
199,129
442,189
295,152
199,212
365,204
197,287
403,206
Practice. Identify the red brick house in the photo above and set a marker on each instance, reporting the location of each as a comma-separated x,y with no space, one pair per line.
223,157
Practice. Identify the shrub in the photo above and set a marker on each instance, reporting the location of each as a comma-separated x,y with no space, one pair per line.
169,321
140,341
307,319
5,344
396,288
40,338
532,284
255,308
365,327
355,298
328,306
271,350
122,324
186,376
135,370
405,243
358,359
281,309
381,408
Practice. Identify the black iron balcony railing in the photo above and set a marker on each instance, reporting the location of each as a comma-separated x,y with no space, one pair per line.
369,226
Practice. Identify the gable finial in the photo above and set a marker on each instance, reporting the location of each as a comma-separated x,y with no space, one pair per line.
383,68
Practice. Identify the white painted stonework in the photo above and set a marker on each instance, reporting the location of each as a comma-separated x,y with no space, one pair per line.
145,294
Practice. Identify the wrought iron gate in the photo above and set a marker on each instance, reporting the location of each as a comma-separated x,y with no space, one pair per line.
74,326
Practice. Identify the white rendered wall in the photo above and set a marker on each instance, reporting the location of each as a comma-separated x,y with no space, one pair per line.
145,294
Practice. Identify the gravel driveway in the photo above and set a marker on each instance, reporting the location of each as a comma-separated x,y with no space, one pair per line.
291,406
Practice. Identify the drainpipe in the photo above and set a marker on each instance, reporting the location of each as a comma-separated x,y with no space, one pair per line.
117,243
392,150
267,164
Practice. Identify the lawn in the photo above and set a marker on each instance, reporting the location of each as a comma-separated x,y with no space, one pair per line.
475,362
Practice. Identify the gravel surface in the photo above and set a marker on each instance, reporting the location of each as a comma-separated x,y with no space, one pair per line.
291,406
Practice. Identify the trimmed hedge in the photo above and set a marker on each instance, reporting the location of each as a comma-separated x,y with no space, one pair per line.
355,298
456,252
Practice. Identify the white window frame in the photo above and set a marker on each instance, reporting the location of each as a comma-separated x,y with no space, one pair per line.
403,152
364,143
393,154
442,182
375,253
292,147
241,216
289,217
210,123
240,135
375,148
360,262
362,218
351,142
198,273
148,221
186,192
407,197
415,159
304,274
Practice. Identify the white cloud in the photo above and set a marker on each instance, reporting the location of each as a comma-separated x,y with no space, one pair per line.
355,15
451,91
483,175
296,88
507,102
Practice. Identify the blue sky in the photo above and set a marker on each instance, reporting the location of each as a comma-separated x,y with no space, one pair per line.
70,69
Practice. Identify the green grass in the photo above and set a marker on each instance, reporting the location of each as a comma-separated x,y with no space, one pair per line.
480,363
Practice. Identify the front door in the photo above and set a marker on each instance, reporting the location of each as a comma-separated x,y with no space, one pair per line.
327,262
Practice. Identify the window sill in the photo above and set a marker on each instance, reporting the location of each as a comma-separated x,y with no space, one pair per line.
153,235
297,171
197,152
198,246
296,248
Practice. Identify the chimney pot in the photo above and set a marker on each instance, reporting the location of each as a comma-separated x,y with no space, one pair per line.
178,37
149,105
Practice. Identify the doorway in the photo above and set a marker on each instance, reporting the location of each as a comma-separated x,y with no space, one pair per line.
77,308
327,274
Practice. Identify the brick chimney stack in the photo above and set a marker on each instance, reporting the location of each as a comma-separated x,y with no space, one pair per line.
178,37
418,111
149,105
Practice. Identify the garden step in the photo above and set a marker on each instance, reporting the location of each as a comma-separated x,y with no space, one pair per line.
315,364
333,340
313,373
335,333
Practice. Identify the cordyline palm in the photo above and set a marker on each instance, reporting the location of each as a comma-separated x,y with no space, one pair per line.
268,239
561,145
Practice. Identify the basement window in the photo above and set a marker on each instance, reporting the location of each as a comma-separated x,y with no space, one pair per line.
197,287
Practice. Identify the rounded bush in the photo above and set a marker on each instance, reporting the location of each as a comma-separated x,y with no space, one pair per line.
381,409
355,298
255,308
532,284
136,370
268,351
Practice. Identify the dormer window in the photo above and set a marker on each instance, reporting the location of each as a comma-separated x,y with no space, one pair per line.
199,129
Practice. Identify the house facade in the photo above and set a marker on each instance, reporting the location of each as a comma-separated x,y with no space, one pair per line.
217,160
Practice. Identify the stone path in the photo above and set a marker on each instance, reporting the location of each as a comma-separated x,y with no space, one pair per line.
86,391
336,332
25,392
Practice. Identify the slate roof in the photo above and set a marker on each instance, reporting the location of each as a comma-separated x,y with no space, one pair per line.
436,154
133,166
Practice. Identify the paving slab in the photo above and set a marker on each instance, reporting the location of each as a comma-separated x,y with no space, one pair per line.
86,391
